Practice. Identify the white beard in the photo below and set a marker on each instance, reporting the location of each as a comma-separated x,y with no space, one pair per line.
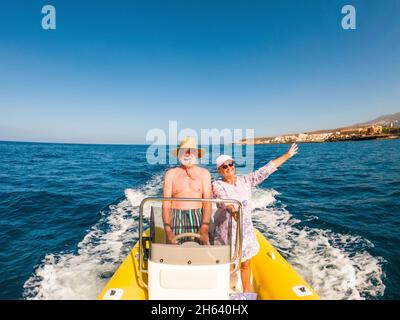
188,162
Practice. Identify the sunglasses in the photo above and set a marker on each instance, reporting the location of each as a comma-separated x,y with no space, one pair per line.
225,166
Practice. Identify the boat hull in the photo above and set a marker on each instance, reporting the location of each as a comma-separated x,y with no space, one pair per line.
273,278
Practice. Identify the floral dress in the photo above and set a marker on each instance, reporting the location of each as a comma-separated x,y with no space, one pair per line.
240,191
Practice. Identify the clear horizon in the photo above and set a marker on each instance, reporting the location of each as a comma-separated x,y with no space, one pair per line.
278,68
143,144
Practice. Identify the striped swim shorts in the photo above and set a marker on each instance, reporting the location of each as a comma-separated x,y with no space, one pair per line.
188,220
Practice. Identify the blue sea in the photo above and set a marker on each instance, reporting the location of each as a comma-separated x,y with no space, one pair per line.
66,223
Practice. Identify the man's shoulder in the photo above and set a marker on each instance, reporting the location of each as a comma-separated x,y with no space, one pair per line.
171,172
203,172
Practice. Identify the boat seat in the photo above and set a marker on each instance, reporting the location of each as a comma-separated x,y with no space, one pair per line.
188,270
195,272
189,254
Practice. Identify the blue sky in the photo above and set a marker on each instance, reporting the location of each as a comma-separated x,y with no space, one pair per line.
112,70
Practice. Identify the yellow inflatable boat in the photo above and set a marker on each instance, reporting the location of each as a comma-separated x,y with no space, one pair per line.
155,270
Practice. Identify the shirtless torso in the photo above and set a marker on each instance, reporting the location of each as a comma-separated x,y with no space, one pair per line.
193,182
187,182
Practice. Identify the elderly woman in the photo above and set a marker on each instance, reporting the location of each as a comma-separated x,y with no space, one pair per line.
239,188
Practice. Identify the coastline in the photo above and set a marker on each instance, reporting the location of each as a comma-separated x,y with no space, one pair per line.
330,139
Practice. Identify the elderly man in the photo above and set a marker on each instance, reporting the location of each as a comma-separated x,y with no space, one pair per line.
187,181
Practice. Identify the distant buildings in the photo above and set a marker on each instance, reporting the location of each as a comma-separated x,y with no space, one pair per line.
374,130
351,133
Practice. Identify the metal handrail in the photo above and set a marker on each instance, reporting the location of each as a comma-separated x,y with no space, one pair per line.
239,235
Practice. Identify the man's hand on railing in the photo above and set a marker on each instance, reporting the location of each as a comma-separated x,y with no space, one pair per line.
170,236
203,231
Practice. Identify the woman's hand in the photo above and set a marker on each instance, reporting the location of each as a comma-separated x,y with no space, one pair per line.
234,213
293,150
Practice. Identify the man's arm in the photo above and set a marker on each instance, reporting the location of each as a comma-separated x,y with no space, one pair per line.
207,194
166,206
167,193
207,206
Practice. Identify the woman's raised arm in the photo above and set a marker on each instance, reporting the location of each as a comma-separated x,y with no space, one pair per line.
292,151
264,172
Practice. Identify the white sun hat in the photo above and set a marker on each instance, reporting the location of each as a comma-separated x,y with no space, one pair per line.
221,159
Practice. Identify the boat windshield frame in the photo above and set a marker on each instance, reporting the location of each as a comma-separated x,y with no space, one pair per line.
237,257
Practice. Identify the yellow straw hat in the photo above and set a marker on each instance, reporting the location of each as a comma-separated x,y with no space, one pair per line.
188,143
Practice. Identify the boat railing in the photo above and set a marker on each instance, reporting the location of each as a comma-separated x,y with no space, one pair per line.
237,256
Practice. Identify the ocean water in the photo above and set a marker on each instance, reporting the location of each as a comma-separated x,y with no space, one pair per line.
66,224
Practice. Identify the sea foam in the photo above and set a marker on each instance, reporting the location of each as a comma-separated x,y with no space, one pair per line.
338,266
82,274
